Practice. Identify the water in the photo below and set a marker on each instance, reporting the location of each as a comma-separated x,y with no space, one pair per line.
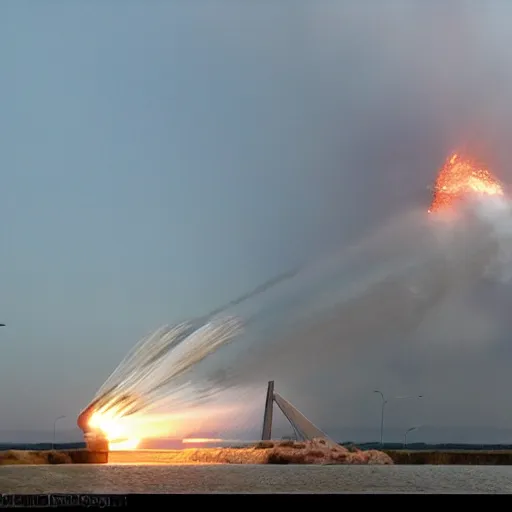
254,479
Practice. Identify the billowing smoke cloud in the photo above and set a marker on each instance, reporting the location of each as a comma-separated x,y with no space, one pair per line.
307,332
404,287
416,306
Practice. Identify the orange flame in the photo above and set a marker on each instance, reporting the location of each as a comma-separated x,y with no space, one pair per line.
126,432
120,436
459,177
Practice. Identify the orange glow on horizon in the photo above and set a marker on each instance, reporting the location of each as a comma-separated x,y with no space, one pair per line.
127,432
201,440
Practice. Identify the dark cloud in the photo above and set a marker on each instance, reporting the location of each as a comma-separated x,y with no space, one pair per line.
386,90
395,87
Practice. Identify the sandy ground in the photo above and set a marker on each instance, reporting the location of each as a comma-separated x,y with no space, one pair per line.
285,452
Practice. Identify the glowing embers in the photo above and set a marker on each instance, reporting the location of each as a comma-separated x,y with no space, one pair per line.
459,178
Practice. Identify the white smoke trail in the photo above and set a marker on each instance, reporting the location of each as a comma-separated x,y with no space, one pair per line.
158,361
381,288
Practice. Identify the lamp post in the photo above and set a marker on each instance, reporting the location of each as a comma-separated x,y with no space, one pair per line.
384,402
54,429
407,432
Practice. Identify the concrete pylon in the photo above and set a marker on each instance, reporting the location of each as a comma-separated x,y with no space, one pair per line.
266,434
304,428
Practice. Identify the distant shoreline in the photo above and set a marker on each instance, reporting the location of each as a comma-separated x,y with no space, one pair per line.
411,447
499,457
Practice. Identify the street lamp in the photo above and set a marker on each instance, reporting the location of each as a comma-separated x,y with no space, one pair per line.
384,402
406,432
54,428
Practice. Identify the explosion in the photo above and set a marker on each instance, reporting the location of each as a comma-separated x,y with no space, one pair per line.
166,371
112,427
127,432
458,178
155,373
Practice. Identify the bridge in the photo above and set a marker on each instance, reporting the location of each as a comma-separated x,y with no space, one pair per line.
304,429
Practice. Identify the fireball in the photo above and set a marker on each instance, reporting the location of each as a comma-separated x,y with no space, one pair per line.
113,421
115,429
459,178
127,431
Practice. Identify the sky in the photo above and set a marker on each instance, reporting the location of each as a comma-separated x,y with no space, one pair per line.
160,158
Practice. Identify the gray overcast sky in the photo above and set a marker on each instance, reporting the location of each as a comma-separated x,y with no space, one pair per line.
159,158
